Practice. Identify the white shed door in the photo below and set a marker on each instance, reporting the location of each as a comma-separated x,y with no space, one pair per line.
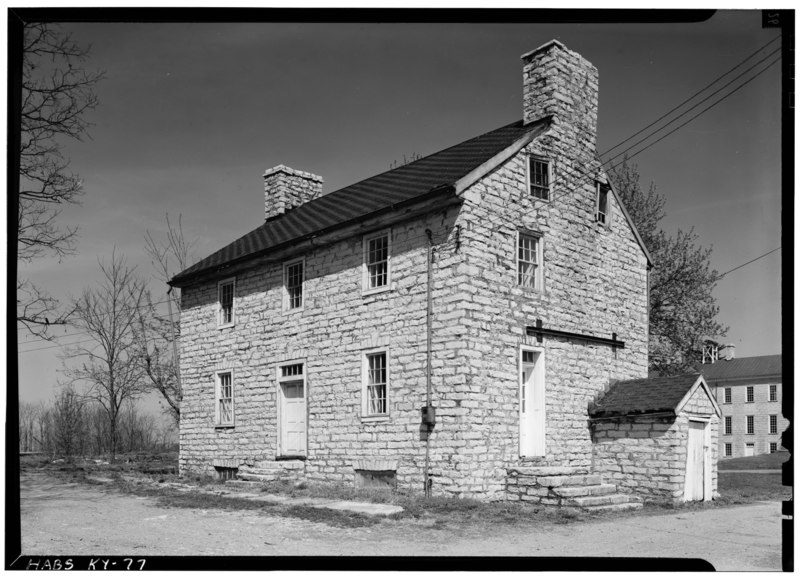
749,449
531,404
695,462
293,419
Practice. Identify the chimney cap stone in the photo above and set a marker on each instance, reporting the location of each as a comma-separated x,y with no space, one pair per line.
544,47
292,172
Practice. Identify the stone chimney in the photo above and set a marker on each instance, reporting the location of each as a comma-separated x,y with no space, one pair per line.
727,352
286,188
560,82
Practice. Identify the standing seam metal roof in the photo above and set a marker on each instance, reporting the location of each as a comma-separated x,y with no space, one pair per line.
747,367
368,196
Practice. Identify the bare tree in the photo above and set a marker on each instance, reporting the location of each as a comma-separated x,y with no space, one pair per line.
29,416
68,422
159,332
57,92
111,368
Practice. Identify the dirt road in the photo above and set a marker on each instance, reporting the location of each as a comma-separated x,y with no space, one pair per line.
78,519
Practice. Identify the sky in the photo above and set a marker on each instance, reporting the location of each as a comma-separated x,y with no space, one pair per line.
191,115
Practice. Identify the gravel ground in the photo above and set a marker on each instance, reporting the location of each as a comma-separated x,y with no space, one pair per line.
77,519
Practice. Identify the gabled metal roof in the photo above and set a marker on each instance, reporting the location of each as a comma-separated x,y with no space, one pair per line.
753,367
367,197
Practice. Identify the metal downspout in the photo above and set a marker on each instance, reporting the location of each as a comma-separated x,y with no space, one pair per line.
429,322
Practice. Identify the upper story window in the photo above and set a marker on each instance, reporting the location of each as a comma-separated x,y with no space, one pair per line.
751,428
727,395
539,177
750,395
224,399
773,392
773,424
376,384
728,425
603,206
293,276
529,260
225,290
376,262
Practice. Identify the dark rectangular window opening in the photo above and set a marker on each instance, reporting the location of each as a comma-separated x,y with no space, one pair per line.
372,479
224,473
539,177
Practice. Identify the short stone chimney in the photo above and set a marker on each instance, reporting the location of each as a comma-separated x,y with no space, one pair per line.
286,188
727,352
562,83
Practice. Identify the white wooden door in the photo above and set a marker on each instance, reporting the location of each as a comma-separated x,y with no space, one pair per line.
293,419
749,449
531,404
694,488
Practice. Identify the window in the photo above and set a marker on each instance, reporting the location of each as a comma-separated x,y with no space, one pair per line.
376,262
728,425
773,424
376,380
750,394
225,290
539,178
529,261
224,399
293,283
727,395
773,392
773,447
728,449
750,425
602,214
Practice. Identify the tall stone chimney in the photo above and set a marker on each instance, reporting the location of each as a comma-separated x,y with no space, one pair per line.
286,188
562,83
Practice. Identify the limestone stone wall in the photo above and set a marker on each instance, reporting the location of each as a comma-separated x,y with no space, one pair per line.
647,455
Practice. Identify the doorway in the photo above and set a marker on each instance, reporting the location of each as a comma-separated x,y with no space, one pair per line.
532,414
292,410
698,477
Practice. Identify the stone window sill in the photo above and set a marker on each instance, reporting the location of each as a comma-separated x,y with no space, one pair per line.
223,426
375,419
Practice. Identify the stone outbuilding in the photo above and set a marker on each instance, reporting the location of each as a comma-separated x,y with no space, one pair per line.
657,437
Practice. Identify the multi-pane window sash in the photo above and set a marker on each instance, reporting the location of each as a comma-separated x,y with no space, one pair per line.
727,395
750,425
773,424
376,384
602,203
225,398
294,285
226,303
773,447
773,393
750,394
728,449
291,370
539,175
728,425
529,261
378,261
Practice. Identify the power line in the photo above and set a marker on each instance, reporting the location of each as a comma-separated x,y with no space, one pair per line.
690,98
698,104
748,262
56,346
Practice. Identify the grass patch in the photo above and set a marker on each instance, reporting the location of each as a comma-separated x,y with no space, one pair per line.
744,488
760,462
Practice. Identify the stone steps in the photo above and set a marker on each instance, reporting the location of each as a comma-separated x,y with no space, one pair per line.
273,470
590,490
594,501
621,507
573,480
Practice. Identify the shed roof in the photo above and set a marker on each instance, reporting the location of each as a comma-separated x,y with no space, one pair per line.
648,396
362,199
752,367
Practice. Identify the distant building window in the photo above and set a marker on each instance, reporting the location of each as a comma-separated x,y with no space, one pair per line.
225,293
224,397
602,212
728,449
750,394
773,447
727,395
529,261
539,178
773,392
376,262
750,425
293,275
773,424
376,381
728,425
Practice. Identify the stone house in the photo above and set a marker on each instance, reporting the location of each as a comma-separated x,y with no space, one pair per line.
750,394
442,326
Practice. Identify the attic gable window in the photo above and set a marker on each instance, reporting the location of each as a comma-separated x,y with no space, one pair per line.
529,261
293,276
225,290
602,211
376,262
539,177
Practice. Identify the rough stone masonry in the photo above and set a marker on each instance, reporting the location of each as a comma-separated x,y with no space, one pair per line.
594,282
